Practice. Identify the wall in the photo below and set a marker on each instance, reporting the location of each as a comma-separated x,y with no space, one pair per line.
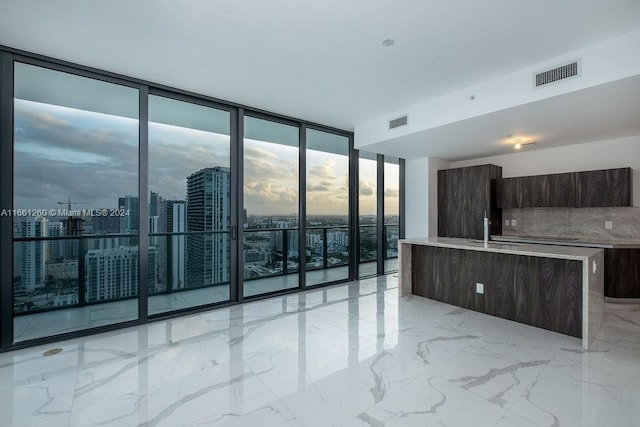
586,223
421,189
416,173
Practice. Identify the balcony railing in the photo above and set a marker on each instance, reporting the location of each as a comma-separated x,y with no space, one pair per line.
73,271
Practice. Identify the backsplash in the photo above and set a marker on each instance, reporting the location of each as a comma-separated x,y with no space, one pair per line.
573,222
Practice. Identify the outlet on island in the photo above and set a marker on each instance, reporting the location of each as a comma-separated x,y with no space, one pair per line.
514,222
480,288
608,225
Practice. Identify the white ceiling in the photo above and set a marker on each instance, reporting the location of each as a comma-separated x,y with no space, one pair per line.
321,61
606,111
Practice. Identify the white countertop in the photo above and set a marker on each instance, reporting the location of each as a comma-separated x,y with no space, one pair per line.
528,249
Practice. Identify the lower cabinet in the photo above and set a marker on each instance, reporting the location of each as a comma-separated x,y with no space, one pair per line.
549,294
622,273
542,292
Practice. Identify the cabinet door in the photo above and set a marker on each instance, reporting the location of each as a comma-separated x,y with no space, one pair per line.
549,294
622,273
449,201
554,190
499,289
603,188
507,193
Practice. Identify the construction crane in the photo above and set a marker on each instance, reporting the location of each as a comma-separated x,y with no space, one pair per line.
69,203
72,225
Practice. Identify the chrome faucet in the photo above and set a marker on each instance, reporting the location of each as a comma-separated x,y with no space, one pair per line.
486,229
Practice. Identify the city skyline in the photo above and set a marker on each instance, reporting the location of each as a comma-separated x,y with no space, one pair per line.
102,152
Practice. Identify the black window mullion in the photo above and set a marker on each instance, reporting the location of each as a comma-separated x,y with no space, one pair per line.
354,212
302,209
381,235
401,232
6,199
143,206
239,196
237,212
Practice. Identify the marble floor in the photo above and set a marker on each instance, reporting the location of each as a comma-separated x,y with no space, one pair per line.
38,325
347,355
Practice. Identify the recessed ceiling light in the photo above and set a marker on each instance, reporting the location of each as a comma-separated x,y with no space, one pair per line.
518,146
388,42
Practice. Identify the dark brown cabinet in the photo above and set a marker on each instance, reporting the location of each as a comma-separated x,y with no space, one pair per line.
464,195
602,188
609,187
554,190
555,300
622,273
548,190
542,292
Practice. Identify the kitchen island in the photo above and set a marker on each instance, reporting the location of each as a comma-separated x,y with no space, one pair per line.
558,288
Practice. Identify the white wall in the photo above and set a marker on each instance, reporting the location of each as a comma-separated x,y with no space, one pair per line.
613,153
421,196
416,203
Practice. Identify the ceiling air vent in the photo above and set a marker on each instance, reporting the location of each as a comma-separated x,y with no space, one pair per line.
562,72
396,123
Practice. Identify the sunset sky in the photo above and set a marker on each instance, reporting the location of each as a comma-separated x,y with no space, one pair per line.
91,157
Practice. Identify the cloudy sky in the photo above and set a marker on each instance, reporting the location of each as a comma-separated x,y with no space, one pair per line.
92,158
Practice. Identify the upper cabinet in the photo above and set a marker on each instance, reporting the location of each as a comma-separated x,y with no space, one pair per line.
609,187
464,195
556,190
601,188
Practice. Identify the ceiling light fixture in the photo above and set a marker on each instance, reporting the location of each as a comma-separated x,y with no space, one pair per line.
388,42
520,144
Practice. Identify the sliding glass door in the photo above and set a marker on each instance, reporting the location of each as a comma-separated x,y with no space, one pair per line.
327,203
271,220
75,202
189,204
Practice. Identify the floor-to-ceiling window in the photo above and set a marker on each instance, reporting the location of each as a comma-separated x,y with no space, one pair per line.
391,213
327,207
189,204
367,213
271,220
124,200
380,205
75,201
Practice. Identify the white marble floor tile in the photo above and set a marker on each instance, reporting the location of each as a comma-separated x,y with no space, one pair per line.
353,355
429,401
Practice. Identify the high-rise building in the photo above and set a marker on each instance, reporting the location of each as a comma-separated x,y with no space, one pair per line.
32,255
172,250
107,224
57,248
130,212
114,273
208,200
154,203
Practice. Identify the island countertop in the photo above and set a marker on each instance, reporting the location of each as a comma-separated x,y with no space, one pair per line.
552,299
529,249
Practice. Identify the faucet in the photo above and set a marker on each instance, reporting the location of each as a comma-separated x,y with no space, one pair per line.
486,229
